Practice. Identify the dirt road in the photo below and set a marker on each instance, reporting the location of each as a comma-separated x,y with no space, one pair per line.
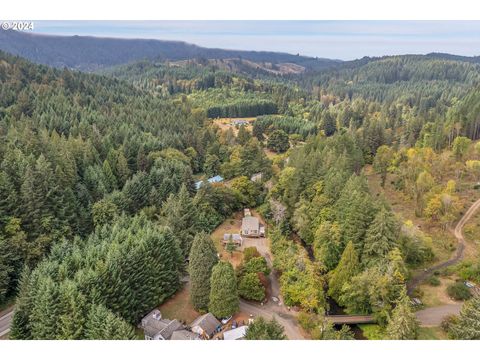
416,280
287,318
433,316
5,321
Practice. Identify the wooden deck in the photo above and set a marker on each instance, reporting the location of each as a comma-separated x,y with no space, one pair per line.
351,319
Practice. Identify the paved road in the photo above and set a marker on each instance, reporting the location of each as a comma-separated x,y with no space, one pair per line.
5,321
433,316
416,280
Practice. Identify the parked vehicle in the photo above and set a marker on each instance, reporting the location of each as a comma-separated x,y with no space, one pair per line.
234,324
226,320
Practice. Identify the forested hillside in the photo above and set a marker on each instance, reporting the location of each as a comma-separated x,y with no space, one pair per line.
99,207
90,53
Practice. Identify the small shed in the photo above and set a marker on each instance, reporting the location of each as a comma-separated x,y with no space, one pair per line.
247,212
256,177
236,239
235,334
250,226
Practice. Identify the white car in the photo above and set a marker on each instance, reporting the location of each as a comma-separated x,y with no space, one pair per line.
226,320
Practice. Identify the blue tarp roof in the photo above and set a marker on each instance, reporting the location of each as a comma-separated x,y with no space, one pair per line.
215,179
212,180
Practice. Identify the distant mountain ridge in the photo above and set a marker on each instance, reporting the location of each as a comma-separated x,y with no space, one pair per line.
88,53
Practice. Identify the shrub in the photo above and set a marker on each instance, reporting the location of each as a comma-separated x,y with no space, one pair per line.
459,291
433,281
251,288
256,265
250,253
448,321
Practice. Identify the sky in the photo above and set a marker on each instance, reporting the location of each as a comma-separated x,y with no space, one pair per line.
345,40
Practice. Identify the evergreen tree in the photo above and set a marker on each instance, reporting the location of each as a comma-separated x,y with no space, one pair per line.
223,294
278,141
467,326
403,324
381,237
251,288
179,214
327,244
110,180
102,324
243,135
8,198
202,259
382,162
347,267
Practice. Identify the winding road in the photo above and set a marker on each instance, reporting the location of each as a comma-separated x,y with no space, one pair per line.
433,316
416,280
287,318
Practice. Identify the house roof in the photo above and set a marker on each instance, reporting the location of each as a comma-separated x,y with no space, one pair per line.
207,323
153,325
235,334
250,223
215,179
184,335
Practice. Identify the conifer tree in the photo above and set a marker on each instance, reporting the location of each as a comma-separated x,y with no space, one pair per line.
224,300
381,237
467,326
203,257
403,324
179,214
102,324
251,288
347,267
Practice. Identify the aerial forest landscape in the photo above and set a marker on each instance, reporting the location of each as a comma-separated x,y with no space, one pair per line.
172,188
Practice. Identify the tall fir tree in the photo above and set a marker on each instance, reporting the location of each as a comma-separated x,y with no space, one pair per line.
347,267
403,324
381,237
224,300
203,257
467,326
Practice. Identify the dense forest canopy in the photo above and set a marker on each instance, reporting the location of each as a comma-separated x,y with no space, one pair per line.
100,215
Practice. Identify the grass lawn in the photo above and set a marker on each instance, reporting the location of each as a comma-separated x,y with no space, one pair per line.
431,333
179,307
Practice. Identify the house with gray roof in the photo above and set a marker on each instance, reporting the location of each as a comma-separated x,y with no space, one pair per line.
205,325
251,227
184,335
157,328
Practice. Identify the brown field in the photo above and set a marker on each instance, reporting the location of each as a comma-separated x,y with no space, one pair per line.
225,123
230,225
179,307
437,295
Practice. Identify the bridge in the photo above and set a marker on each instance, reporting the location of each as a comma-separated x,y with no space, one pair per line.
351,319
